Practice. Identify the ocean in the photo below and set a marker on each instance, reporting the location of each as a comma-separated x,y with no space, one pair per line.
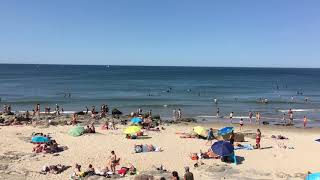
163,89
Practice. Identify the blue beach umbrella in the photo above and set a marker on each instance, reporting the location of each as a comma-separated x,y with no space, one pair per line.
313,176
136,120
225,131
223,148
39,139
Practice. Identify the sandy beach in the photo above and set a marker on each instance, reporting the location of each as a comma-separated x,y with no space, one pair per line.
271,162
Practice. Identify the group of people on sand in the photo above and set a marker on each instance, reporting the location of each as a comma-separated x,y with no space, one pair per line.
104,110
7,108
177,114
47,110
107,171
49,147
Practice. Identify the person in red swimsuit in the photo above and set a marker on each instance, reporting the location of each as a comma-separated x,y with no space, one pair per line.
258,138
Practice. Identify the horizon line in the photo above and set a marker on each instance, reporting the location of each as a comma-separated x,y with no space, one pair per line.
275,67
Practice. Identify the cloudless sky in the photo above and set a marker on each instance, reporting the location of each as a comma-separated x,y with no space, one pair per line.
272,33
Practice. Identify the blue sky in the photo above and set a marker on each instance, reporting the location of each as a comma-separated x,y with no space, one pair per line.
273,33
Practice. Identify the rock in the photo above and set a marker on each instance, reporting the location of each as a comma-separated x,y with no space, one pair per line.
157,116
80,113
188,120
238,137
144,177
115,111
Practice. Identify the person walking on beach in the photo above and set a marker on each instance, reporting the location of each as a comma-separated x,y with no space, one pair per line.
305,120
231,116
231,139
258,139
188,175
241,124
250,116
210,136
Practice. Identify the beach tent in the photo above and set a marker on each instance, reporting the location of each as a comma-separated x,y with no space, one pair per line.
313,176
132,129
39,139
76,131
136,120
225,131
200,131
223,148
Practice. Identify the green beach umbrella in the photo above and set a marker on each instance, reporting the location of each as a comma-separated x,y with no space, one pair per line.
76,131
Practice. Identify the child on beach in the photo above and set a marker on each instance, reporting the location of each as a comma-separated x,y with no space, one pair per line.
241,124
305,121
258,138
284,118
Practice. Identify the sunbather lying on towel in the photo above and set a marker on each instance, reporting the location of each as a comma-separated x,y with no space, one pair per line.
146,148
53,169
204,155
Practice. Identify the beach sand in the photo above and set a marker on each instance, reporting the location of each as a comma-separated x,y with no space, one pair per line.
271,162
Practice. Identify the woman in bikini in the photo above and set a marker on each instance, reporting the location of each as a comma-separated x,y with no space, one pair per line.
113,161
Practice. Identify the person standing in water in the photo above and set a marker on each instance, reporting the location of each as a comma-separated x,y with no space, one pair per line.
284,118
218,112
305,120
258,116
179,113
174,114
290,116
57,109
250,116
37,109
231,116
86,110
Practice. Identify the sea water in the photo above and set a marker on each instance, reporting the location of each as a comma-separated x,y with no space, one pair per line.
163,89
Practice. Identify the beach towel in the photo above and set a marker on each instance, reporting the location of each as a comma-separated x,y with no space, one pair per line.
244,147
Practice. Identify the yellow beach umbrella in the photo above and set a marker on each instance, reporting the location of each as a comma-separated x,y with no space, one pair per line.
200,130
132,129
